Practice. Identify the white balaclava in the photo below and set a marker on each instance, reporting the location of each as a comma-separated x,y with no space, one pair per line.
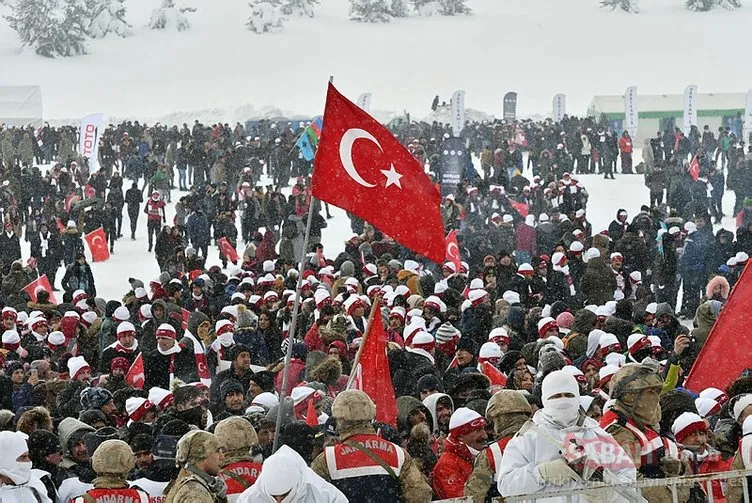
12,445
563,411
282,474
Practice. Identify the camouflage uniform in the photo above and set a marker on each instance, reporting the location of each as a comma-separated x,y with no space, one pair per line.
190,486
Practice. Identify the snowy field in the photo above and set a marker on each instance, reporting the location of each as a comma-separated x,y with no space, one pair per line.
535,47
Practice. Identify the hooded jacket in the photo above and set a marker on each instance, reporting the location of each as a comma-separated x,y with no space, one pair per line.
406,405
306,486
67,429
430,403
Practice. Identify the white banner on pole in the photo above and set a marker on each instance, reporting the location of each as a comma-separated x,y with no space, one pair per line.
690,108
631,111
88,144
458,112
560,107
364,102
748,118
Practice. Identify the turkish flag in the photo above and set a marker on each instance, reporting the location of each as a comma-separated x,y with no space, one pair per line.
720,361
694,168
522,208
186,314
494,375
228,250
135,376
59,225
97,241
41,282
453,250
362,168
372,371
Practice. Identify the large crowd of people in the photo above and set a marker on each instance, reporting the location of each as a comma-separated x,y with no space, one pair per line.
550,337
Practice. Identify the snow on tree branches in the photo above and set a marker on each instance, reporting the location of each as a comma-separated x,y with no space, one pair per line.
370,11
169,17
266,16
109,17
51,27
625,5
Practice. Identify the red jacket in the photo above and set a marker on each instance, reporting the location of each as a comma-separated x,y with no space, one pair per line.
297,373
625,145
525,239
452,470
313,340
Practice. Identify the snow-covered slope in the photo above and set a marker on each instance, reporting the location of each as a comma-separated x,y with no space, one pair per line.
536,47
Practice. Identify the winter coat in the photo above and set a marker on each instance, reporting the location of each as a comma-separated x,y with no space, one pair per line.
157,368
221,377
79,277
10,248
696,251
526,239
598,283
255,342
454,467
634,250
539,441
68,401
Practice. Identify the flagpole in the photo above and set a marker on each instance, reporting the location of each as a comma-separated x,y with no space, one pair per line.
376,309
293,324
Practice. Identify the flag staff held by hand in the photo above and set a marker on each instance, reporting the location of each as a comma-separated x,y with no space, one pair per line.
281,411
375,311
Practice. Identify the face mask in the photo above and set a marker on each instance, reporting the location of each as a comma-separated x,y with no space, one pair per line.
19,473
564,411
194,415
226,339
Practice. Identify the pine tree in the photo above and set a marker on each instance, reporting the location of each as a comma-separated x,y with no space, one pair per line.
266,16
170,17
109,17
399,8
700,5
51,27
299,8
370,11
729,4
453,7
625,5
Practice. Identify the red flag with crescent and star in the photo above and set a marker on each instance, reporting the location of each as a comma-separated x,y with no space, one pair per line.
228,250
97,241
694,168
453,250
362,168
43,283
135,376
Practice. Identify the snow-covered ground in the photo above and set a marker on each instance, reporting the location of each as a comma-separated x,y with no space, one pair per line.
535,47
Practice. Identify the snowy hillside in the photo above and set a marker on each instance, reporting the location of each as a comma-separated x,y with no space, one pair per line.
535,47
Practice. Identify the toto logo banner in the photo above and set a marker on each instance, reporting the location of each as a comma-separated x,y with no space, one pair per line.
595,453
88,143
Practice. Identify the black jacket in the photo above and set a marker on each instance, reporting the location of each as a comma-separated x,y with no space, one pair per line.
157,368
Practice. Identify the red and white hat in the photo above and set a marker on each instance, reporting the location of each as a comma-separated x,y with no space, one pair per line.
715,394
464,421
121,314
76,365
11,337
56,339
605,374
373,290
137,407
525,269
415,325
165,330
78,296
576,247
397,312
352,285
321,297
609,344
636,342
224,327
489,352
161,397
271,296
403,291
352,303
9,312
423,340
499,334
686,424
370,270
707,406
477,297
559,259
435,303
301,395
546,324
88,318
126,328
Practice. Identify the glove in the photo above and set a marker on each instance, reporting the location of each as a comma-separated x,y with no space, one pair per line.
671,466
557,472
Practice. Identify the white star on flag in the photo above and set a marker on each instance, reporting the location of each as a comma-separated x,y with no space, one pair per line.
392,177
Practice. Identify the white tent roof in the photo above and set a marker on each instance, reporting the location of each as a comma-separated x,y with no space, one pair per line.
21,105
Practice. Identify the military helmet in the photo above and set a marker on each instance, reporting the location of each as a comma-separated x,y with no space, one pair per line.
635,377
506,401
195,446
235,433
113,456
353,405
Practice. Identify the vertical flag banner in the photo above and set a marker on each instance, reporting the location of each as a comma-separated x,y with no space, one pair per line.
510,106
748,118
453,250
458,112
690,108
631,111
720,361
362,168
560,107
88,143
364,102
135,376
97,241
452,164
40,283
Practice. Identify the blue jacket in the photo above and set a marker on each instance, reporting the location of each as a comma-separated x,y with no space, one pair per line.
198,228
696,253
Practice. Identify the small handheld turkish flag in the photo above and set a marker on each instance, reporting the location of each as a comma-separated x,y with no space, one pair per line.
97,241
228,250
362,168
694,168
43,283
522,208
453,250
135,376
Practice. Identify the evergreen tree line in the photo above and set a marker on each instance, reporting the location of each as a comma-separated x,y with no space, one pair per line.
693,5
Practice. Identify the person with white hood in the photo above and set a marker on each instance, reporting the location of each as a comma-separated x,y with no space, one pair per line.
546,455
16,482
286,478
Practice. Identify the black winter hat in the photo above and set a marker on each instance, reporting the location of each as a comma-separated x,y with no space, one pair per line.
41,443
230,386
264,380
93,439
468,345
141,442
237,349
508,361
92,416
430,382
